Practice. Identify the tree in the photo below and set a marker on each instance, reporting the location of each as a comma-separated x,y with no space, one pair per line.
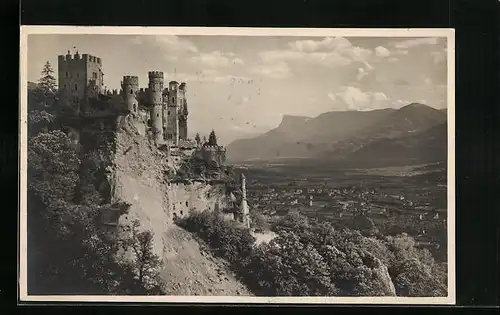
146,263
197,138
47,82
212,138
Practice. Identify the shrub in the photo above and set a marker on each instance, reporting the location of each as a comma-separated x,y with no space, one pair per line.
308,259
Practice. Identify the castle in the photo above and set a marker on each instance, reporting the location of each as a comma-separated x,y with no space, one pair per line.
81,79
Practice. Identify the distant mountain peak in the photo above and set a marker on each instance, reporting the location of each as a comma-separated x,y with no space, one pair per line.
415,105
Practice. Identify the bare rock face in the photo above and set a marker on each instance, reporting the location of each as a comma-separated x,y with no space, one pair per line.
139,175
382,274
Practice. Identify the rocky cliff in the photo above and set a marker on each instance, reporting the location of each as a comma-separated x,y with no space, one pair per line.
141,175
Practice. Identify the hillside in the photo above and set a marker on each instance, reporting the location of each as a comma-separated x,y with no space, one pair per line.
335,135
299,136
422,147
407,120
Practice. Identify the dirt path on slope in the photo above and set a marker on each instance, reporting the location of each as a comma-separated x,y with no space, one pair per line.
191,270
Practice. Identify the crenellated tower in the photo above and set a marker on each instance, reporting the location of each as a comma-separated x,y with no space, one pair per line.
155,89
80,76
172,107
183,112
130,89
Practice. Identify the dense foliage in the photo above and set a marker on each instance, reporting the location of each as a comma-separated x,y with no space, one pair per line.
70,250
313,259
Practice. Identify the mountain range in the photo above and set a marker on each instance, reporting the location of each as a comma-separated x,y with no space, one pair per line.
413,133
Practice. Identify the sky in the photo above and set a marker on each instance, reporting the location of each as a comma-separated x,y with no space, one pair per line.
241,86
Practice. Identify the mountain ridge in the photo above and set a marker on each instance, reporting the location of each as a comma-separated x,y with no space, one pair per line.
335,135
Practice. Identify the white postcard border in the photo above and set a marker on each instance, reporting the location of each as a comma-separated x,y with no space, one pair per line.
229,31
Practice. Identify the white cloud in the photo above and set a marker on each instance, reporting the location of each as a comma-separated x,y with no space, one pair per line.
238,61
208,76
332,96
275,70
401,103
381,51
361,74
379,96
328,52
356,99
328,43
409,43
393,59
217,59
168,43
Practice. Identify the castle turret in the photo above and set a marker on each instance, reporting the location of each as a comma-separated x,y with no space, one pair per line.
130,88
80,76
183,112
172,107
156,99
244,212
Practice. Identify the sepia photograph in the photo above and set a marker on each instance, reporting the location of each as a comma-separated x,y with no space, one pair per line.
237,165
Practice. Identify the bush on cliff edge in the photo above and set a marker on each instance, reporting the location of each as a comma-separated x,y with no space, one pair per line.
313,259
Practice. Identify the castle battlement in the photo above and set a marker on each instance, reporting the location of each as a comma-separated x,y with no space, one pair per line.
130,79
155,74
78,57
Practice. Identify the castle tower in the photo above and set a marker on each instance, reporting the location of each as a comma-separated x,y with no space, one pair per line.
80,76
244,212
183,112
155,89
172,106
130,88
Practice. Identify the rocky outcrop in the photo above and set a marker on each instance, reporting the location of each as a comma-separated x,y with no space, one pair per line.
381,273
141,175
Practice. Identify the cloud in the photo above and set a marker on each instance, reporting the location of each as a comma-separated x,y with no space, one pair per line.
217,59
275,70
355,99
209,76
328,43
410,43
168,43
361,74
329,52
381,51
401,103
379,96
332,96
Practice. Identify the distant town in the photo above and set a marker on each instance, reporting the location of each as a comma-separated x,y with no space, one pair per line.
416,206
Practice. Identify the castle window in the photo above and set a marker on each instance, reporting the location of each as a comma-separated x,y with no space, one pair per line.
67,74
187,204
173,99
76,87
131,92
157,115
135,108
168,113
182,212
